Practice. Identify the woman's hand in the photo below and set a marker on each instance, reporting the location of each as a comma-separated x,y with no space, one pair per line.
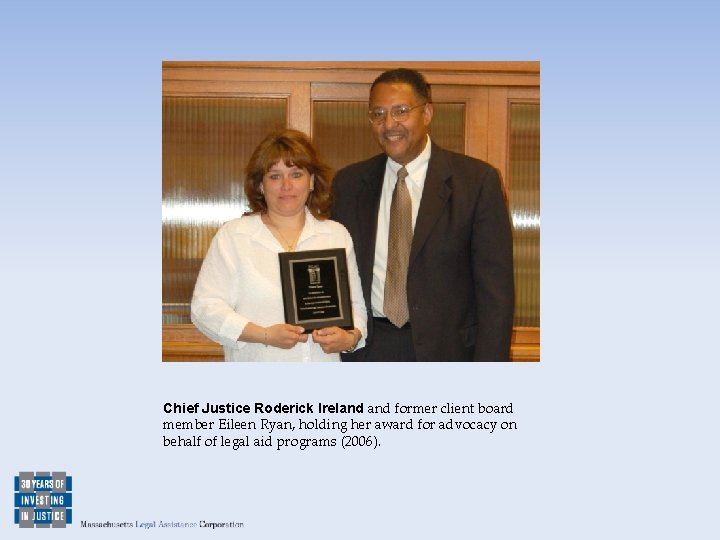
282,336
335,340
285,336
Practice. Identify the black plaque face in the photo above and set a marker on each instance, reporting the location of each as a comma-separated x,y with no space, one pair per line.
316,290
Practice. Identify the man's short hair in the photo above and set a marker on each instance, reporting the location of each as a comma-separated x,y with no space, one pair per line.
408,76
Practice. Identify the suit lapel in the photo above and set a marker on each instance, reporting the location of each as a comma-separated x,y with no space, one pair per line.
368,204
436,192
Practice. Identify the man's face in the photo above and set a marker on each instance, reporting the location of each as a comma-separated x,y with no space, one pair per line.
401,140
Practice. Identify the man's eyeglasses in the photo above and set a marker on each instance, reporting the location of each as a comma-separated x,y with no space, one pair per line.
399,113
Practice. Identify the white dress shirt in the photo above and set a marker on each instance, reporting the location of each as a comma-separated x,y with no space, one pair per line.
239,282
415,180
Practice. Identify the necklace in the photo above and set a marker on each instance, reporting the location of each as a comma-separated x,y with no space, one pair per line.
289,246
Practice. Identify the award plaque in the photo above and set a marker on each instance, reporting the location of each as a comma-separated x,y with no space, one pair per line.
316,289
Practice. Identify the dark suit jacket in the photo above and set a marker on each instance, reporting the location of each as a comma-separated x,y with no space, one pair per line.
460,278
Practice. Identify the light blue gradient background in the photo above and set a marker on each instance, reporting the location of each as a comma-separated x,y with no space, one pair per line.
617,423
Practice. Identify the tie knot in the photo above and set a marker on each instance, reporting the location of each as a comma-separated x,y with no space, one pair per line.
402,174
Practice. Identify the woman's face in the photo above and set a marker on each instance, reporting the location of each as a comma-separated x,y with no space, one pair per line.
286,189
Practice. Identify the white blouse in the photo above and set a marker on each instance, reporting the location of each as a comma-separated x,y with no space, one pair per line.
239,282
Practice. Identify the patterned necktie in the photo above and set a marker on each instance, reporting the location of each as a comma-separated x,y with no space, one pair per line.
400,238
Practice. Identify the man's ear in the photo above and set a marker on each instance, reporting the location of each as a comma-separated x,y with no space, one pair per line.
427,113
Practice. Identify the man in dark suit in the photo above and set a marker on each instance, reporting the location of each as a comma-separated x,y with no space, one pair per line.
432,238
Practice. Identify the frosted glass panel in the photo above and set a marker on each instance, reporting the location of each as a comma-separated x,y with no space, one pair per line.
342,133
206,145
524,182
448,126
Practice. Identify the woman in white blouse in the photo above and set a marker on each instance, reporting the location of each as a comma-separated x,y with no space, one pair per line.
238,294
